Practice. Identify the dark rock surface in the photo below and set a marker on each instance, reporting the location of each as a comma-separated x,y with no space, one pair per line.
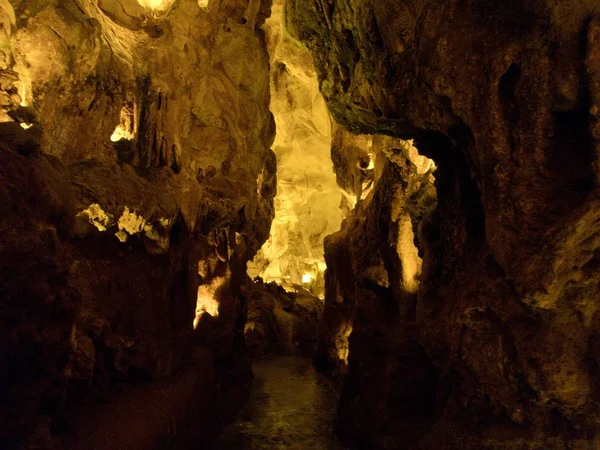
145,175
291,407
280,322
498,350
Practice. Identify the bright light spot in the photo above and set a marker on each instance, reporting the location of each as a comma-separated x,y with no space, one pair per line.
371,165
127,124
122,236
306,278
423,163
351,199
159,5
24,89
120,133
26,126
409,255
203,3
342,344
206,301
367,188
97,217
131,222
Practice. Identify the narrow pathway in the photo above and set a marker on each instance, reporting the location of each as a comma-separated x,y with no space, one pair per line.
291,407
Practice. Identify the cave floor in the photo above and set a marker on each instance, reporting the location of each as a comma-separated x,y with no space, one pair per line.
291,406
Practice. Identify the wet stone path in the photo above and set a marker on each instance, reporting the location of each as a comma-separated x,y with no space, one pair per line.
291,407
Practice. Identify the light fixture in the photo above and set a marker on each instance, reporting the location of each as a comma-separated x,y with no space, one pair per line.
156,5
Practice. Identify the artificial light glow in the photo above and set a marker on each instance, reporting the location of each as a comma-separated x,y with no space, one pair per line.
367,188
342,344
306,278
206,301
26,126
127,124
409,255
423,163
24,93
371,164
97,216
157,5
203,3
121,133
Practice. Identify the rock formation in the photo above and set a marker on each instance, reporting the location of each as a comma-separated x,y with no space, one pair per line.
307,202
136,180
281,322
494,343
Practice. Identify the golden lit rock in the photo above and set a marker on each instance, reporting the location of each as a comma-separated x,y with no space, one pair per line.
97,216
150,151
207,301
127,126
159,5
307,201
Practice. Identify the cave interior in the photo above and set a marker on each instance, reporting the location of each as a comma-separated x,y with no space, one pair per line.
300,224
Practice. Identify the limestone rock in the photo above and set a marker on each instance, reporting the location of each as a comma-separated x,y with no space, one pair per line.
280,322
144,178
307,202
503,97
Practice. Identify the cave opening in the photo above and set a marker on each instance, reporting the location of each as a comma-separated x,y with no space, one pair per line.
347,229
307,200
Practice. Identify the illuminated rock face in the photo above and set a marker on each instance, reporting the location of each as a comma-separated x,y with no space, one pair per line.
308,198
131,205
376,250
499,346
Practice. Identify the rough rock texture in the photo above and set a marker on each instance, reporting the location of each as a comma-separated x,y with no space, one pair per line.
280,322
352,157
503,334
306,205
136,188
375,254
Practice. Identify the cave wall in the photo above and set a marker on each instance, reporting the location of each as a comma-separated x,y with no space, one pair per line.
280,322
136,180
503,96
307,201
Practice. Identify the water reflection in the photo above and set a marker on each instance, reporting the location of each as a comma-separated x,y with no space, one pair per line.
291,407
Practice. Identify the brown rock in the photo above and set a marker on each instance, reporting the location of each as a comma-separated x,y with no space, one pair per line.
502,96
105,224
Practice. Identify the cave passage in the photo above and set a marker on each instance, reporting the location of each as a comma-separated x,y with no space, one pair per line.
222,216
291,406
307,204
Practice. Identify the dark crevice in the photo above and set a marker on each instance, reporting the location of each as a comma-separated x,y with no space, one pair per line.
506,94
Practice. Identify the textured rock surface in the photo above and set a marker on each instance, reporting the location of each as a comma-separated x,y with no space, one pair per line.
307,202
280,322
504,328
135,198
375,254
